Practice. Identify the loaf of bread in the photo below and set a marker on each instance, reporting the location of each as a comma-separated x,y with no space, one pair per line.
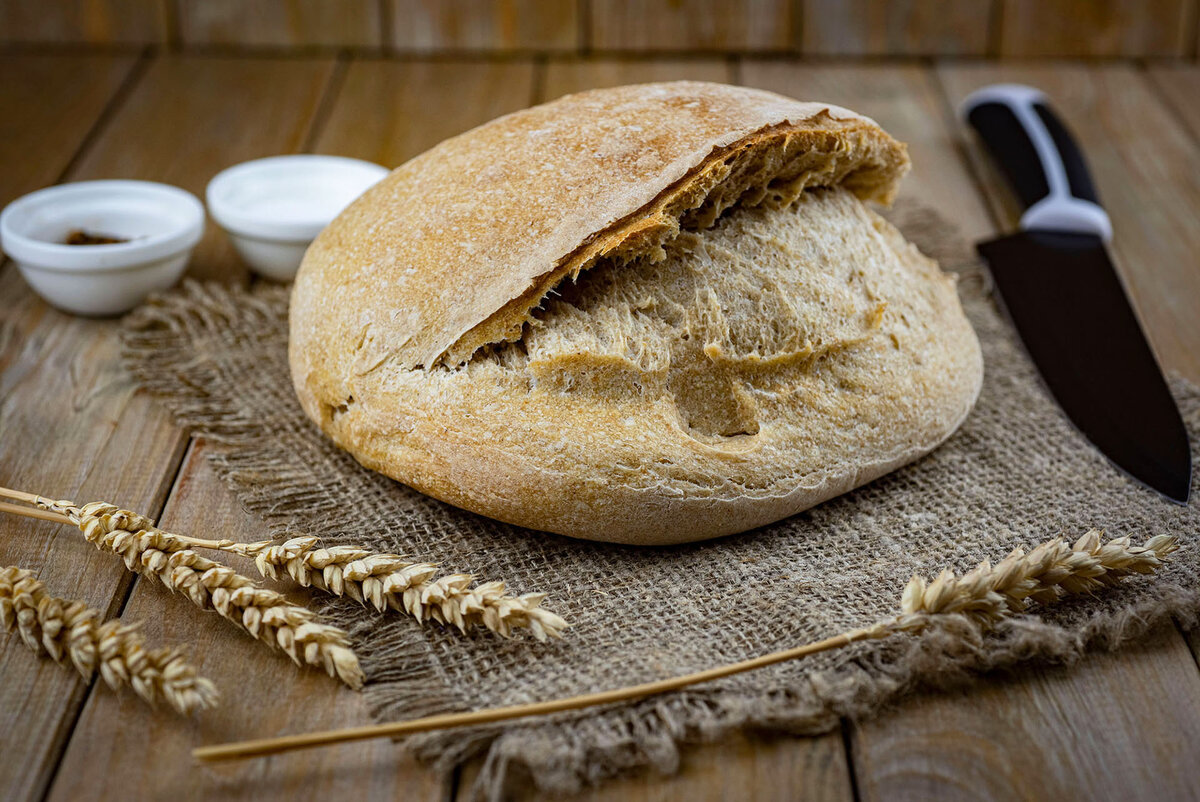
650,315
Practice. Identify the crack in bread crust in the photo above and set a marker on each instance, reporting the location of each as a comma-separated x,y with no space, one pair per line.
774,166
723,318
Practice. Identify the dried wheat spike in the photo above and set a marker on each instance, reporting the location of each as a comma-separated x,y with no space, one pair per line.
70,630
265,614
388,581
1047,573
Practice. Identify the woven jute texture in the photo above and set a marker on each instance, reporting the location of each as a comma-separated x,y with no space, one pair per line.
1016,473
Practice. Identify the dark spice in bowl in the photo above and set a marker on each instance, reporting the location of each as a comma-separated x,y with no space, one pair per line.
81,237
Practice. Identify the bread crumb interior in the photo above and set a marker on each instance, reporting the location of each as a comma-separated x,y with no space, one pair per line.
729,316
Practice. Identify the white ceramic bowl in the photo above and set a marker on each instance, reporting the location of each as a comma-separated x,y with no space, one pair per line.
273,208
161,223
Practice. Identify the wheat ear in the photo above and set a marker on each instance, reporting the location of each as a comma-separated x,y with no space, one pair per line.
1050,571
982,598
72,631
388,581
265,614
385,581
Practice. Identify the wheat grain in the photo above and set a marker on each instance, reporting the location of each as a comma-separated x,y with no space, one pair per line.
72,631
265,614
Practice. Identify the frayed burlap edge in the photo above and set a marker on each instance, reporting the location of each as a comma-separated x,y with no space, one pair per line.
645,733
652,732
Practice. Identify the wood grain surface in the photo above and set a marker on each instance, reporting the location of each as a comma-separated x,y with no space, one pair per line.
762,768
575,75
1011,28
907,103
281,23
896,27
1179,85
192,116
46,379
72,425
48,106
1095,28
474,25
1113,726
387,112
697,25
91,21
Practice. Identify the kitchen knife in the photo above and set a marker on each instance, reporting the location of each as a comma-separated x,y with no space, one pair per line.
1064,297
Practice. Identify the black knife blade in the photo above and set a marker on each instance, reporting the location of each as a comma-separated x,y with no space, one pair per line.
1067,302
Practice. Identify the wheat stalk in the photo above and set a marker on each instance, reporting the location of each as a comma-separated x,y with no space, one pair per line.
265,614
981,598
72,631
385,581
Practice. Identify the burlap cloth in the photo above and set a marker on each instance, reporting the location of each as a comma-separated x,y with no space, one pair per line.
1015,473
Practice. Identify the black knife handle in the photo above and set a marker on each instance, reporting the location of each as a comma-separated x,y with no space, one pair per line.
1039,157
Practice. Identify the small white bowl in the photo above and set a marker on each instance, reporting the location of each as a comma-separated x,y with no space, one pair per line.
274,208
161,223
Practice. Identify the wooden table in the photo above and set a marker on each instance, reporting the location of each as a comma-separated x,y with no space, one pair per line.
1116,725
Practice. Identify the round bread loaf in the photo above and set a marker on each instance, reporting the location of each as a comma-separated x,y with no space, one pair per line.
651,314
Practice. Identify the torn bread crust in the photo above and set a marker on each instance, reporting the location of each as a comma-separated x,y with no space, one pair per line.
727,314
455,247
776,163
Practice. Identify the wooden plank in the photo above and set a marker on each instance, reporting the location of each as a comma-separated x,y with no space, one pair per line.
908,104
72,425
95,21
146,753
425,26
281,23
1059,733
388,112
695,25
889,28
1094,27
758,767
1180,86
48,105
1145,163
564,77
